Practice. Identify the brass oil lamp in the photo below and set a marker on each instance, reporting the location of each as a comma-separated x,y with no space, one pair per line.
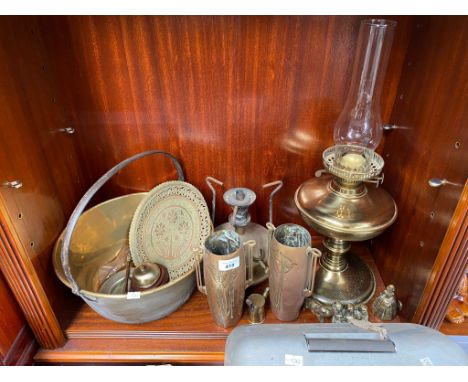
341,205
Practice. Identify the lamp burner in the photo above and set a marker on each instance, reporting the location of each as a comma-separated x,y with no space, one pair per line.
333,160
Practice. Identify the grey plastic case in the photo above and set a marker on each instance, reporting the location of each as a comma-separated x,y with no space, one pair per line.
341,344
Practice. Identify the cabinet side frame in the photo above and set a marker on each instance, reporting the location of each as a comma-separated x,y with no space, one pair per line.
448,269
24,282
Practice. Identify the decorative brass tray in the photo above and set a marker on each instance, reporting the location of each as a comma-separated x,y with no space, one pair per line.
172,220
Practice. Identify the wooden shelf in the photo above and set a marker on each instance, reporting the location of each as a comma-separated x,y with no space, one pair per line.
454,329
187,336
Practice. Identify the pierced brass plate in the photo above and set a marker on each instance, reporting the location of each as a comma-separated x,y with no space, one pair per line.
171,221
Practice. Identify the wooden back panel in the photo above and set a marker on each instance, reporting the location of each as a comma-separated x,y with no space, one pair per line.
431,107
34,152
247,100
44,160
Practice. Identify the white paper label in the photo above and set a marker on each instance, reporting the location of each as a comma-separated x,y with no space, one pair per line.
293,360
133,295
426,361
227,265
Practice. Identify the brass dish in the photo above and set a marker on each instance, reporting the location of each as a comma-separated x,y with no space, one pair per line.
171,220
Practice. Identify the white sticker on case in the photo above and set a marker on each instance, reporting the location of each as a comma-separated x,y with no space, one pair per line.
426,361
227,265
293,360
133,295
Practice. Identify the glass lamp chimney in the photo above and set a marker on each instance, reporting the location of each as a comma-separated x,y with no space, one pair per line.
360,122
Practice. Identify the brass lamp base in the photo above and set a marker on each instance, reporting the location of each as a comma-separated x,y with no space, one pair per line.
342,276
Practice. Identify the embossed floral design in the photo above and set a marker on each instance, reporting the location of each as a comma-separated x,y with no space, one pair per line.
172,216
160,230
226,291
281,266
170,241
184,228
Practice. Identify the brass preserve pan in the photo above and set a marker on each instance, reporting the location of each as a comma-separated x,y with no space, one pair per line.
90,257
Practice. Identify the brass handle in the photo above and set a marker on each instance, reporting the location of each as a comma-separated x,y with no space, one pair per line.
279,184
377,180
198,258
13,184
265,267
248,248
208,181
320,172
127,271
271,231
437,182
313,255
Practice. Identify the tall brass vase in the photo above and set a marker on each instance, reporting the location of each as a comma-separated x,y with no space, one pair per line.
228,271
292,269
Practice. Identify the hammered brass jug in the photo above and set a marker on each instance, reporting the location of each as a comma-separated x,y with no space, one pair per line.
228,271
292,269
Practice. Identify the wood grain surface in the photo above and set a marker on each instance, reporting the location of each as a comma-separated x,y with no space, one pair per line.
432,142
43,159
33,150
454,329
247,100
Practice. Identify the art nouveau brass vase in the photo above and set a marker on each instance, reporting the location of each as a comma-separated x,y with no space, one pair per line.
292,269
227,271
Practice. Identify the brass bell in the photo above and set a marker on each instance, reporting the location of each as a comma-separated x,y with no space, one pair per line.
386,306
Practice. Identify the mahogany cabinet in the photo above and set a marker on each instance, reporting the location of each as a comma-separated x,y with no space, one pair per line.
17,342
247,100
